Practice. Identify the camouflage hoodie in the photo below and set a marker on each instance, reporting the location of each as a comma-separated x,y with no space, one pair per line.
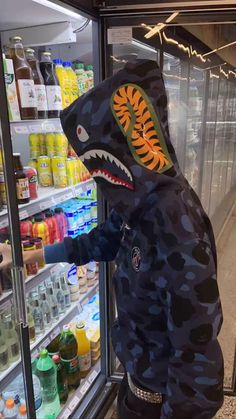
169,311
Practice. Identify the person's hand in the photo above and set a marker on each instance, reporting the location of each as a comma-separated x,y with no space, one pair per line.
6,256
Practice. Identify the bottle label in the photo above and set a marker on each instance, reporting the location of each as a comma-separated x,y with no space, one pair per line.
15,349
71,365
85,362
41,97
54,98
22,188
27,93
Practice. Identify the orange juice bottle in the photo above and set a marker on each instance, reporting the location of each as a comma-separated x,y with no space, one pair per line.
84,352
64,82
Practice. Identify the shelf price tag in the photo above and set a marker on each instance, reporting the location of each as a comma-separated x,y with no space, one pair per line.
44,205
23,214
66,414
49,127
21,129
84,388
55,332
35,128
92,376
74,402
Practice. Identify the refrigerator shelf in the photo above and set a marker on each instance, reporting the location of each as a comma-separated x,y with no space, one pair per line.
48,197
43,340
36,126
78,395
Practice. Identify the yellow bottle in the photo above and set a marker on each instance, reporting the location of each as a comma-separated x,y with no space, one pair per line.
74,91
64,82
84,352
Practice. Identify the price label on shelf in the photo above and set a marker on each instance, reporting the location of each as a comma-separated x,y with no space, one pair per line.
4,223
34,354
67,196
49,127
55,333
66,414
24,214
74,402
35,128
84,388
45,204
92,376
21,129
44,344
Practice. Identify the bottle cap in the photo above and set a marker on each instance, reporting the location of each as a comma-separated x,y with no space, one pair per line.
10,403
66,328
79,65
57,61
56,358
22,409
48,214
80,324
58,210
43,353
16,39
38,218
46,54
30,50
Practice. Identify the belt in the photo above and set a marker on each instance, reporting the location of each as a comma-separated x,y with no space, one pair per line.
145,395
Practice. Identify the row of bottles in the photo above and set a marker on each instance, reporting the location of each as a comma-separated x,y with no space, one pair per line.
41,89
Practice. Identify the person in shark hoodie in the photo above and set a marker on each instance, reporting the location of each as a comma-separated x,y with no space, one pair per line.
169,310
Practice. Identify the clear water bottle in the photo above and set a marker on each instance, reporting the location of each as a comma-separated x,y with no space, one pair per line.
65,289
38,317
47,374
60,297
4,355
46,310
11,338
10,410
53,304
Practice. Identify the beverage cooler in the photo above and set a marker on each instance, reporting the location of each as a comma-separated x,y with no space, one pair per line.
56,358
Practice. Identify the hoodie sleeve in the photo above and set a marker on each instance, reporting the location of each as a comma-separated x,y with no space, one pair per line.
101,244
195,371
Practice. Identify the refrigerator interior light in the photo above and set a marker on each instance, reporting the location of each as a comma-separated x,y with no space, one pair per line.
58,8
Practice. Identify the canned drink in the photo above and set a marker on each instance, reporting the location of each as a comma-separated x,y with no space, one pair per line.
61,145
50,144
44,171
59,172
71,167
34,145
42,141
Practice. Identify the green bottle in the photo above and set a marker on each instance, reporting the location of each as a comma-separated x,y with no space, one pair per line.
47,374
68,351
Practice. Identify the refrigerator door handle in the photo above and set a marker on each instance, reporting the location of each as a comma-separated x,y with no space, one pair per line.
18,285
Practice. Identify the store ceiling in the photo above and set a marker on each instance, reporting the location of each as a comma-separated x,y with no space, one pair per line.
15,14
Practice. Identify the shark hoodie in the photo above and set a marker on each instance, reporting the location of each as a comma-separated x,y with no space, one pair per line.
169,310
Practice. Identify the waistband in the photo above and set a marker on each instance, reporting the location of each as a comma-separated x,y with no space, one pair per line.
142,394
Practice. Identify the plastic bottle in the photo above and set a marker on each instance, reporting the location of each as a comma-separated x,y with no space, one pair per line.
52,227
53,89
53,303
2,404
47,374
22,182
68,349
63,81
24,80
74,91
53,347
10,411
32,335
38,317
82,78
46,310
65,289
11,339
40,90
4,355
84,351
22,412
60,297
90,75
62,383
40,229
61,223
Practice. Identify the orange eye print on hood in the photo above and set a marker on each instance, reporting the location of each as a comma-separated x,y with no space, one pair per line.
138,121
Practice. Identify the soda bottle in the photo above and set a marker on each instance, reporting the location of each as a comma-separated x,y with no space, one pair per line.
24,80
10,411
53,89
40,90
61,223
11,338
4,355
64,82
90,75
62,383
47,374
26,228
37,316
84,351
46,310
32,176
53,347
22,412
40,229
31,324
22,183
68,349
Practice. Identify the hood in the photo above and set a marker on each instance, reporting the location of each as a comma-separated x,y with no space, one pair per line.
119,130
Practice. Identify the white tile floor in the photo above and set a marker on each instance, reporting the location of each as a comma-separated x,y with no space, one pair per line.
226,248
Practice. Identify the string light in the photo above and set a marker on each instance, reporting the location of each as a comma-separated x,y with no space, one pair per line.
189,50
160,26
220,48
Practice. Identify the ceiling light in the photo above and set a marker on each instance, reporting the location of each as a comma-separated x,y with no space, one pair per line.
218,49
58,8
160,26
